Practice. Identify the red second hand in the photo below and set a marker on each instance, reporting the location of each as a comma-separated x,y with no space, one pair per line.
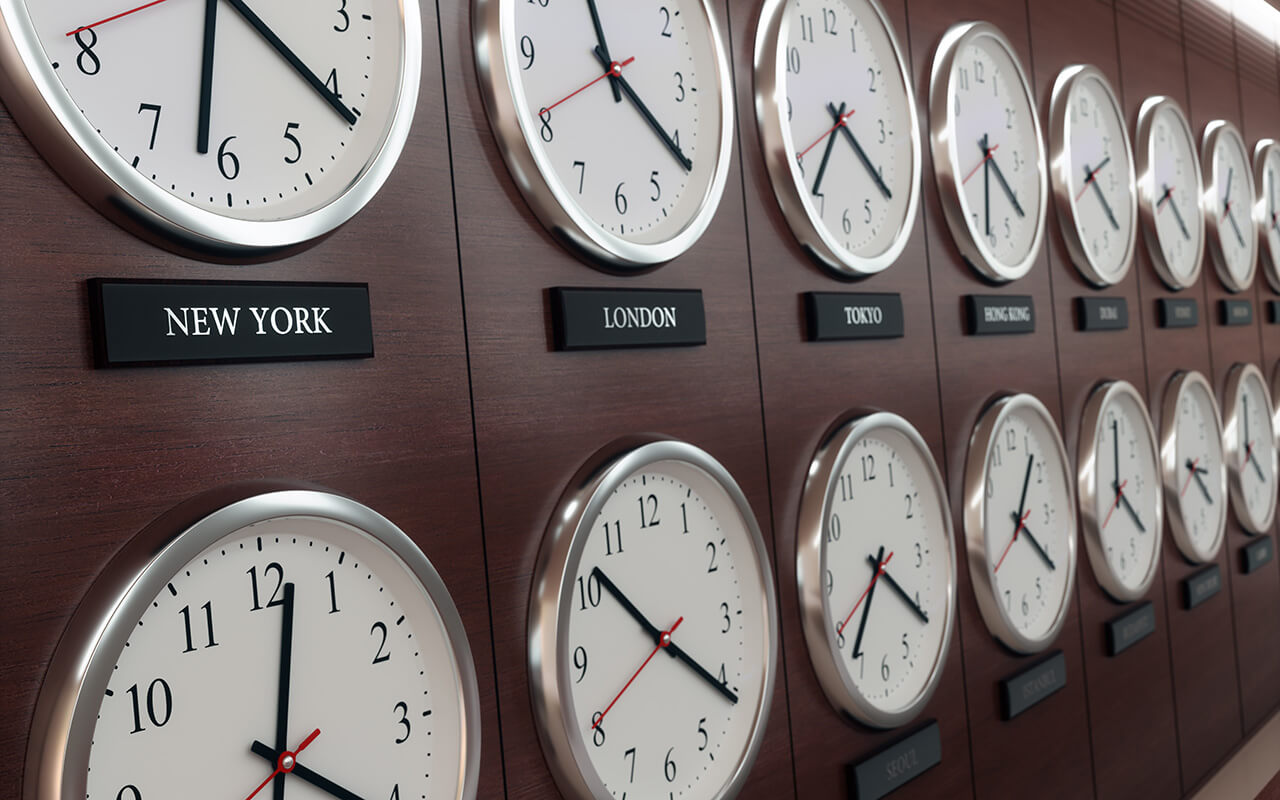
117,16
843,117
874,578
1016,531
664,639
1189,477
281,766
615,69
1116,504
984,160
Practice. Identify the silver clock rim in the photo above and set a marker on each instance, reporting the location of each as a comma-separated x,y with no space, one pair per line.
66,138
1275,399
1269,257
770,88
1147,189
1208,201
1060,173
941,142
1238,374
58,750
975,502
1180,383
551,594
811,557
491,22
1100,397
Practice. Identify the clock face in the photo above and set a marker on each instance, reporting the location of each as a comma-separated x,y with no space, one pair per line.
1228,203
986,139
838,124
1169,187
654,637
294,625
1021,530
1195,480
1120,491
615,117
237,125
876,565
1093,175
1266,170
1251,448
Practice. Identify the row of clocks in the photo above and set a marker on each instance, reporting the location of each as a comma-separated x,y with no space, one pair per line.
298,637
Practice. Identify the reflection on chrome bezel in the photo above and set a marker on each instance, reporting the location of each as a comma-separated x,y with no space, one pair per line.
1270,258
941,143
1060,173
811,563
1209,202
1179,384
784,175
551,596
1087,488
1236,377
1148,196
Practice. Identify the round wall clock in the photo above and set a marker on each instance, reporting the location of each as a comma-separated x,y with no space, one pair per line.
1169,190
1228,202
293,638
1266,208
1121,500
875,563
229,129
988,153
838,127
652,628
615,119
1020,523
1092,173
1193,466
1250,447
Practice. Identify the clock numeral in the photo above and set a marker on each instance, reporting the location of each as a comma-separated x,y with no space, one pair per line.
711,566
545,131
833,528
650,502
155,123
527,50
728,621
806,28
620,199
829,22
380,656
346,19
208,620
580,662
582,175
86,50
134,794
1026,608
906,648
722,677
333,594
846,487
542,3
609,536
403,708
288,134
884,667
684,518
669,767
589,591
911,499
964,80
830,582
226,157
868,468
395,790
166,708
666,21
680,92
872,74
331,83
597,731
793,60
853,39
252,572
845,223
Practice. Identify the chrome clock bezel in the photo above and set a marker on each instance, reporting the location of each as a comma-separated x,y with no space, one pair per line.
1236,377
1269,257
1209,199
1148,196
1180,383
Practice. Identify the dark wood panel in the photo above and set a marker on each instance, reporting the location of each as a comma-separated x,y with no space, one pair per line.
91,457
1007,756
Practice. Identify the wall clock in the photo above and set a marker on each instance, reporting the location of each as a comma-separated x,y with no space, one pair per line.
988,153
1266,213
1169,189
1228,202
218,129
1193,466
652,628
838,127
1020,523
1121,501
294,638
614,118
1092,174
1250,447
875,563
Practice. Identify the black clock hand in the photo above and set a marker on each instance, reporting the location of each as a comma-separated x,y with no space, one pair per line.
871,591
1013,198
295,62
1035,544
986,183
1115,440
1168,196
595,22
1199,482
826,154
679,155
899,590
1124,501
857,148
206,76
1231,218
1022,501
282,697
310,776
1257,468
676,652
1101,197
1226,206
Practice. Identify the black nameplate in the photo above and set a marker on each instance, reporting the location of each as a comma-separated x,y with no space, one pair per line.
607,319
1102,313
1273,312
1201,586
161,323
1022,691
995,314
1176,313
834,316
1255,554
895,765
1236,312
1130,628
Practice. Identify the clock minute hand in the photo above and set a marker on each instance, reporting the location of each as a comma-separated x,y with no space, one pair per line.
1200,482
857,148
1013,198
1124,501
652,121
919,612
1035,544
826,154
206,77
282,697
675,651
1168,195
310,776
595,22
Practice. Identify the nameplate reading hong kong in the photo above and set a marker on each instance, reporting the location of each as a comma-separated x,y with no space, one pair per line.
901,762
606,319
834,316
163,323
994,314
1022,691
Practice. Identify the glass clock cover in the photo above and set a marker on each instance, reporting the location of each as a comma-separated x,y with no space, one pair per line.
1169,188
1266,216
1193,466
1250,447
1229,205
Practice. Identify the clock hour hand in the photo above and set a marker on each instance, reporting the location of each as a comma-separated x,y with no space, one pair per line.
898,590
1234,226
826,154
1102,198
1035,544
206,76
868,594
1124,501
837,115
1168,196
293,60
282,697
595,22
310,776
1013,198
652,121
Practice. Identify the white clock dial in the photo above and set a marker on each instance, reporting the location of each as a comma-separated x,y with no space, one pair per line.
1266,171
653,631
614,117
1194,469
1020,523
876,568
838,125
1250,448
293,637
1228,205
236,124
988,152
1169,187
1093,175
1120,490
